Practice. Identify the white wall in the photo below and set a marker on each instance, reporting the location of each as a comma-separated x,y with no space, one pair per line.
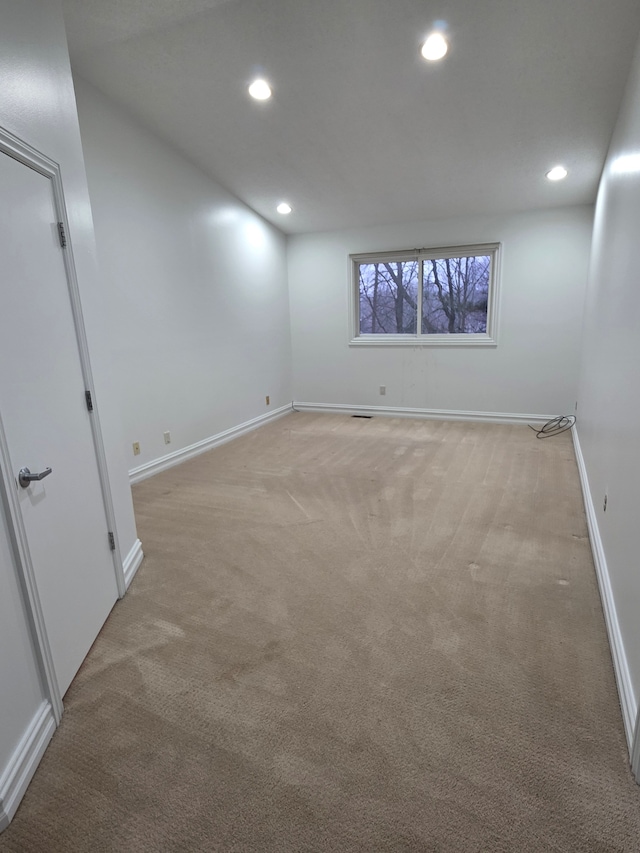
21,693
534,368
199,313
609,397
37,104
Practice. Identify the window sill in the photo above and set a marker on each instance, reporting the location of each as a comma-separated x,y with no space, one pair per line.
423,341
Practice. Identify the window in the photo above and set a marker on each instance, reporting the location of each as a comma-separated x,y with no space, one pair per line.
426,296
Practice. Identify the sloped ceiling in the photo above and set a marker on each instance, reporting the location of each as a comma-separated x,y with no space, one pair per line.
360,130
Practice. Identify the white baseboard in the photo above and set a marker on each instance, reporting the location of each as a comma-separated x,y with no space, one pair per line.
628,702
171,459
429,414
24,762
131,563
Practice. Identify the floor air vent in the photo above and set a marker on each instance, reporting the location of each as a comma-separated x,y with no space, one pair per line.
362,416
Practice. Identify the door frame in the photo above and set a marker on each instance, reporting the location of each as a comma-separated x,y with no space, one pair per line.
32,158
635,750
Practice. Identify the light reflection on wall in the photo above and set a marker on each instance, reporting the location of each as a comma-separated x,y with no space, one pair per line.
223,216
243,224
254,234
626,164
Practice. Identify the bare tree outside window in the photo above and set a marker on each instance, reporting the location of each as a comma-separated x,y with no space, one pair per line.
455,295
430,296
389,298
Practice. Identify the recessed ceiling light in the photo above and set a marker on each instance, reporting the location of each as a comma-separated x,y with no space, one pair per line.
435,47
283,208
260,90
557,173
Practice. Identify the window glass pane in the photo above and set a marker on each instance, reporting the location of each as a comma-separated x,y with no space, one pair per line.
455,295
388,298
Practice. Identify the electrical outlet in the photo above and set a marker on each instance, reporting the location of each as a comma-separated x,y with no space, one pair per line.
266,399
136,448
167,437
383,390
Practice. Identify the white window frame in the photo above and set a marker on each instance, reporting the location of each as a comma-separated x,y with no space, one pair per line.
481,339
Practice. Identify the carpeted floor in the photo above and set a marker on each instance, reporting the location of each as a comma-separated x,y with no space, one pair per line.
349,635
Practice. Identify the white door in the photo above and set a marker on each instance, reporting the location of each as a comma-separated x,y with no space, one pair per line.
46,422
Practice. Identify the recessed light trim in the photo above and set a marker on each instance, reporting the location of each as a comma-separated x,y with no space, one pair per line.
435,47
260,90
284,208
558,173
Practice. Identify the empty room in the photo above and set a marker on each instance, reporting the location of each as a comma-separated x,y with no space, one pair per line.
318,512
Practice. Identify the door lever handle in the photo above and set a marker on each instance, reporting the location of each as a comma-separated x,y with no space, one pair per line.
25,476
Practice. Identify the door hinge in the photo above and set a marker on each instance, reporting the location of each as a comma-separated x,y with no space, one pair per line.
112,541
62,235
88,398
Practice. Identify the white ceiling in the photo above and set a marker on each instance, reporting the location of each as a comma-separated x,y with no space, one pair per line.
360,129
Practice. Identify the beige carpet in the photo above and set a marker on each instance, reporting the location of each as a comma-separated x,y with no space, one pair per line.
349,635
